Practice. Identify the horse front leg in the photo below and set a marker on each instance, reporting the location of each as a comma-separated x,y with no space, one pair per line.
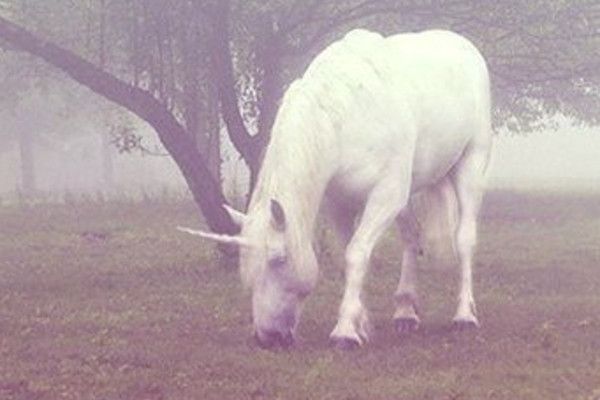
406,315
382,207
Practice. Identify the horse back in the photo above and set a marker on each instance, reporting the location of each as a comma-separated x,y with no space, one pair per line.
411,101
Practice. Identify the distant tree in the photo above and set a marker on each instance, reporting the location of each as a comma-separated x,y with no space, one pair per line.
17,81
39,110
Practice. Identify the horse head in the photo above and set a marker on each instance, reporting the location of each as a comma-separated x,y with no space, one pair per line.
271,265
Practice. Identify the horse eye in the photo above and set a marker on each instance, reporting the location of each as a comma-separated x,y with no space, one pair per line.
278,261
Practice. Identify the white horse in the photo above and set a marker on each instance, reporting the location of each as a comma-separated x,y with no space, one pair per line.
372,122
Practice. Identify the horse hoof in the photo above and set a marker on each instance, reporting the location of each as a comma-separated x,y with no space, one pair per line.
462,325
406,325
344,343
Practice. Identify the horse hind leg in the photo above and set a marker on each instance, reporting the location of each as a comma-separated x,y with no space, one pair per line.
406,314
468,180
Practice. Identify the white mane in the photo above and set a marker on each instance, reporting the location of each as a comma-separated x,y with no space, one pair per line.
301,156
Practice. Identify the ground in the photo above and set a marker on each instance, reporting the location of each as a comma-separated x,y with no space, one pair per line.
108,301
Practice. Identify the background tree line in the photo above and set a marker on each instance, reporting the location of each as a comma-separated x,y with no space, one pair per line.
191,68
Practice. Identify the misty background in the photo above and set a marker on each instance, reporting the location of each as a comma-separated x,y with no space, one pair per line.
134,99
70,161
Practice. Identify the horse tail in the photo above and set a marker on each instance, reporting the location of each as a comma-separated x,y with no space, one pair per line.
439,219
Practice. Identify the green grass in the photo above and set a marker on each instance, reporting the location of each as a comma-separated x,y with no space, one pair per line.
110,302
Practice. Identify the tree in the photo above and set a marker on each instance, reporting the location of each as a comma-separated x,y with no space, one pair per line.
19,84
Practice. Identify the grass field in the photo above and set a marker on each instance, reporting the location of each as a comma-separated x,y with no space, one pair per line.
110,302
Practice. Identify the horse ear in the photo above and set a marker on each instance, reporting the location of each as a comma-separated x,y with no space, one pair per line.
277,216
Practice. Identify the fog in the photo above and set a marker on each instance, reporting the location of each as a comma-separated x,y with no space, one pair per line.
566,159
72,154
121,120
68,155
76,169
54,135
69,130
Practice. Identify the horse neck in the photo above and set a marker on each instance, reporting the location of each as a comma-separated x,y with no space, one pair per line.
299,161
295,172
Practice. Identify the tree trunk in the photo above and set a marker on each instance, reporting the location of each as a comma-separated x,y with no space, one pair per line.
108,170
270,61
28,185
223,73
206,191
213,154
